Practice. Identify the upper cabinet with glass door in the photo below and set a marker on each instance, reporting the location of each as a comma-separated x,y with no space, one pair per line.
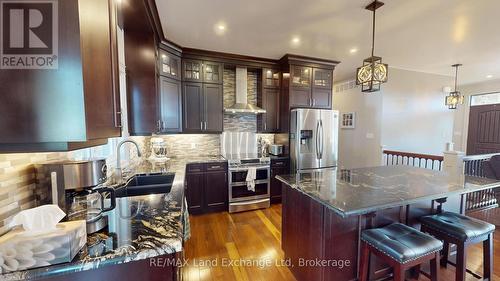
322,78
212,72
192,70
170,65
300,76
270,78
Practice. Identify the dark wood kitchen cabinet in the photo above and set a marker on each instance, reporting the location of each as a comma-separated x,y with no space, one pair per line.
203,108
170,101
279,166
269,100
300,76
306,83
270,78
202,71
141,65
169,65
76,101
206,187
311,87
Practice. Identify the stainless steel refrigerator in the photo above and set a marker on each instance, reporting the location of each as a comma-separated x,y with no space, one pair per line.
313,139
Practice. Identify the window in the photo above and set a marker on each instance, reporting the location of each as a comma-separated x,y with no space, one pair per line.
484,99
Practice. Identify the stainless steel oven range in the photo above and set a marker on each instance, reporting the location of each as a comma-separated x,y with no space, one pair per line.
241,198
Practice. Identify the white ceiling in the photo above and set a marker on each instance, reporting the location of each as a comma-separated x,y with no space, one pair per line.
422,35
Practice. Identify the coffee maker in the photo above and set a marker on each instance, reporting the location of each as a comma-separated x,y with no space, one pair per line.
77,188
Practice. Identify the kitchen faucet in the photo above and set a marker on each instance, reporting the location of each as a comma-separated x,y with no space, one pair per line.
118,160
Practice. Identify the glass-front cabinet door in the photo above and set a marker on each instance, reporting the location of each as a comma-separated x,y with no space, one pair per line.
192,70
212,72
300,75
322,78
170,65
271,78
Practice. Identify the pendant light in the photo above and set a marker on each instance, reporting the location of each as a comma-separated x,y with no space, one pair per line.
373,72
454,98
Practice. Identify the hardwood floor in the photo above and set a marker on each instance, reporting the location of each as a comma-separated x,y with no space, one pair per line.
255,237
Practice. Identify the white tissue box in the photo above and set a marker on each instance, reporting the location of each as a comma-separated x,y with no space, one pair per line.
20,249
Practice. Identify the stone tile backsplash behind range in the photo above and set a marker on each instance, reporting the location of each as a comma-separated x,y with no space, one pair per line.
239,122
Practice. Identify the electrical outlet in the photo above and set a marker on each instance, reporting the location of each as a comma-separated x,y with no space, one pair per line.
193,146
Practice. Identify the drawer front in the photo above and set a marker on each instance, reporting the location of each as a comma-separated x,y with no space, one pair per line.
221,166
195,168
279,163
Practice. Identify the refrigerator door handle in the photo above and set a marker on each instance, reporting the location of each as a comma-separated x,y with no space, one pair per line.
317,140
322,144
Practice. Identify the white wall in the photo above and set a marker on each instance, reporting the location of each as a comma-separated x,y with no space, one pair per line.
408,114
461,121
414,117
355,149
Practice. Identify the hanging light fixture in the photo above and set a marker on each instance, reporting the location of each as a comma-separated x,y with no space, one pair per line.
454,98
373,72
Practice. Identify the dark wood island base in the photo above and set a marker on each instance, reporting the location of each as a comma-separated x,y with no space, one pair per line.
323,214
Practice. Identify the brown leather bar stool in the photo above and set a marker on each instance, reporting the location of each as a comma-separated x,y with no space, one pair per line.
400,246
462,231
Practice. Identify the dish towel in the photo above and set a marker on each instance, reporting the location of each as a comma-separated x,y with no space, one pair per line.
251,175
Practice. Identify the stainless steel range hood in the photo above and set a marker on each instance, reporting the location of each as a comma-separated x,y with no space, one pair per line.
242,105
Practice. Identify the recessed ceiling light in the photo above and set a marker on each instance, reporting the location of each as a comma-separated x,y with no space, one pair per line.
295,40
353,50
220,28
489,76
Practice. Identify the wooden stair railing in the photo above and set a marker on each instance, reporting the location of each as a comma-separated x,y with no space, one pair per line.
427,161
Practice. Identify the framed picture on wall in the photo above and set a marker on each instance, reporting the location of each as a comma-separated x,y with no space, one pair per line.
348,120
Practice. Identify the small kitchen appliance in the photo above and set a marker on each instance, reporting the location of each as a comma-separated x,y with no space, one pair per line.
276,149
77,188
158,150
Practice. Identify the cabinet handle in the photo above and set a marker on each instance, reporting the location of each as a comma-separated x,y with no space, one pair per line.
118,119
201,125
158,125
205,125
265,127
162,125
314,102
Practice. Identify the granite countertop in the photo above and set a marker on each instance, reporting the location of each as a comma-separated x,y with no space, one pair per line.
361,191
140,227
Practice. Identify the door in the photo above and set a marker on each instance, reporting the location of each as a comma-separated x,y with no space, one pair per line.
270,78
192,70
322,78
192,107
300,97
212,72
213,108
322,98
328,138
216,191
270,103
484,129
170,65
195,185
307,146
170,105
301,76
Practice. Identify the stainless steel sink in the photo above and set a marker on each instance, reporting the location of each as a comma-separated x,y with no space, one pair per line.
146,184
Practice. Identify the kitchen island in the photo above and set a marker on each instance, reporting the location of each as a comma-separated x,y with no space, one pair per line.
325,211
144,236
